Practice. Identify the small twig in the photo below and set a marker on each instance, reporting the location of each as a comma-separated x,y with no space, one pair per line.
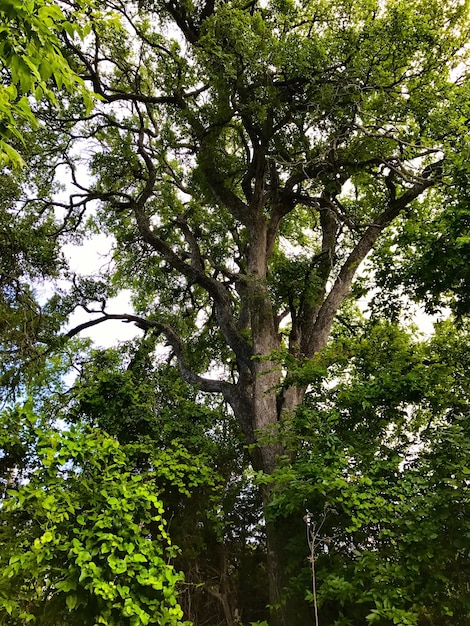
313,533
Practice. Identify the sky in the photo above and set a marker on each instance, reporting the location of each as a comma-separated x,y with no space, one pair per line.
89,258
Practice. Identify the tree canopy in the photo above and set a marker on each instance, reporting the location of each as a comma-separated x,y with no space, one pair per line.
260,169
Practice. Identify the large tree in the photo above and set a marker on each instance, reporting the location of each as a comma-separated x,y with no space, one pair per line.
246,159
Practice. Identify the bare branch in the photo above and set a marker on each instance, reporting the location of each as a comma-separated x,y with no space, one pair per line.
204,384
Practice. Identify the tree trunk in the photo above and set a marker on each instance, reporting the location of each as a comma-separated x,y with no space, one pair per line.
287,609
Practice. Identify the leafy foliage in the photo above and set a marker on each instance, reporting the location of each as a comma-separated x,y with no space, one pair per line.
217,523
427,257
392,502
84,538
31,57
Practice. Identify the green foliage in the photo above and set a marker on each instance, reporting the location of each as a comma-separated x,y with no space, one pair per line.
428,257
31,56
33,236
201,470
383,454
131,395
83,539
245,159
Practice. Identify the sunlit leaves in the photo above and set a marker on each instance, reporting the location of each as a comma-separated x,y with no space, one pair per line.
84,540
33,63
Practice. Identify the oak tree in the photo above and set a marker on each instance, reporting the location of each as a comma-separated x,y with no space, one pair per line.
246,158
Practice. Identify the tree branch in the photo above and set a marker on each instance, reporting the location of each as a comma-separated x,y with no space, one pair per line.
214,288
320,332
204,384
194,271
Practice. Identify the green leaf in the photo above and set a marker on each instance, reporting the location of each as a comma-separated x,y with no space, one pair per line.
71,601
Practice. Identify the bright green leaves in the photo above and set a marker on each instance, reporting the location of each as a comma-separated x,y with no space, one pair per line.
31,55
84,540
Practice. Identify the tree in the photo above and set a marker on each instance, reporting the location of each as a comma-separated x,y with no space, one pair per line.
247,159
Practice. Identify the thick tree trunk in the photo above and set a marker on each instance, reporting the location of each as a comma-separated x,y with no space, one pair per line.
266,413
288,608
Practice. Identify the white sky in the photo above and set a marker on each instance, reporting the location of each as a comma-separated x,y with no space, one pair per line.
92,257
